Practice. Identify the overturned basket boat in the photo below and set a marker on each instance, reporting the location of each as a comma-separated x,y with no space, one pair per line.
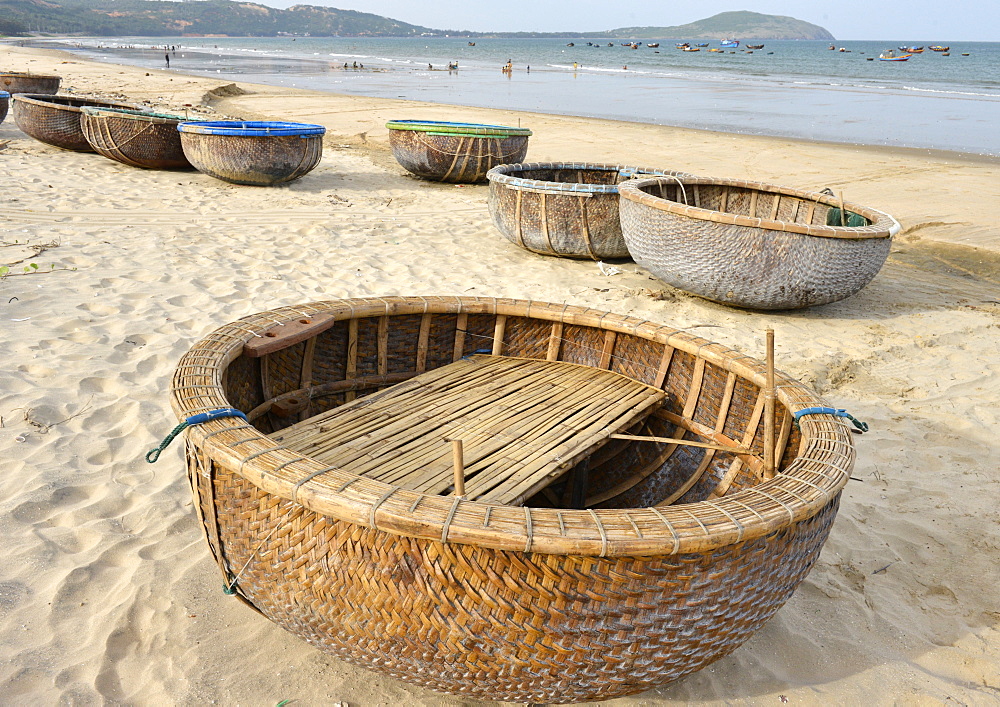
503,499
4,104
455,152
134,137
751,244
55,120
568,209
22,82
258,153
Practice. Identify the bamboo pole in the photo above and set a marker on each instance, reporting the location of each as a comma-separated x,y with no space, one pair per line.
458,456
684,442
769,398
843,215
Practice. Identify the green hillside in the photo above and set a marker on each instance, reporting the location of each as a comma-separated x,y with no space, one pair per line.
739,24
161,18
151,18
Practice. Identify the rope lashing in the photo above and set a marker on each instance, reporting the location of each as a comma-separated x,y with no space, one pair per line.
153,454
863,426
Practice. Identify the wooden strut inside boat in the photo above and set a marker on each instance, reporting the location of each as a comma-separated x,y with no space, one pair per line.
515,425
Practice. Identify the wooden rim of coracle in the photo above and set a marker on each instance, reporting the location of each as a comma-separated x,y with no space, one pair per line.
882,225
811,481
66,103
506,174
130,114
436,127
28,75
251,128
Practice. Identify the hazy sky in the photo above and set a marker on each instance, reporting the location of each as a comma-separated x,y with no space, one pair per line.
916,20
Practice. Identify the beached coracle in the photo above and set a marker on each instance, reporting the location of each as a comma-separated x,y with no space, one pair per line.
55,120
753,245
252,152
504,499
134,137
568,209
455,152
4,104
21,82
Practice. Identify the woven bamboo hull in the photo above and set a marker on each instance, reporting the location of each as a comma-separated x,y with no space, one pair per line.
563,209
149,143
456,159
523,604
55,120
752,245
255,161
15,82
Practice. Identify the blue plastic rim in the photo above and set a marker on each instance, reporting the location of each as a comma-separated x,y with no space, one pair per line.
444,127
4,94
246,128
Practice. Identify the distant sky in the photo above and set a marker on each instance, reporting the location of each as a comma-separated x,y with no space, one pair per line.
916,20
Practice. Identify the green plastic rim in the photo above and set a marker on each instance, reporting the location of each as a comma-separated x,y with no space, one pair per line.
458,129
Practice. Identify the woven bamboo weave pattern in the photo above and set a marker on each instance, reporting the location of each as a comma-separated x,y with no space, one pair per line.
55,120
561,208
749,244
257,161
137,139
643,561
18,82
454,158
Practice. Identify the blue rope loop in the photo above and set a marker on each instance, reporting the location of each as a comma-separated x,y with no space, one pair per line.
153,454
862,426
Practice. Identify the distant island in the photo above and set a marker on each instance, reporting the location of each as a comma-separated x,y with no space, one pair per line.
161,18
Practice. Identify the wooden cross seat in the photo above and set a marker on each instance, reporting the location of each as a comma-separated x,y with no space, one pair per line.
522,422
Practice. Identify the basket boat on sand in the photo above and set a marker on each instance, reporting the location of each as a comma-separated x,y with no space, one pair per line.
568,209
55,120
4,105
753,245
257,153
578,564
134,137
20,82
455,152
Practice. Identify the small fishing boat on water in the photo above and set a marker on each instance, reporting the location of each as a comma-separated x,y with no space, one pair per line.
939,48
729,43
755,46
702,44
912,50
691,49
653,45
890,55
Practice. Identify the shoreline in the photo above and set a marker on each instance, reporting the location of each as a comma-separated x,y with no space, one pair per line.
841,111
110,593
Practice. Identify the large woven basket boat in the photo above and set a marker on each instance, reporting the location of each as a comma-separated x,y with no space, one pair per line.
252,152
4,105
751,244
21,82
455,152
55,120
568,209
593,548
134,137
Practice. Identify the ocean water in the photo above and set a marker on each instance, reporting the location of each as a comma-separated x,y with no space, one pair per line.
798,89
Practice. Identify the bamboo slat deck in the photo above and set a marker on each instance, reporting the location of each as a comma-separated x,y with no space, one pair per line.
522,422
640,562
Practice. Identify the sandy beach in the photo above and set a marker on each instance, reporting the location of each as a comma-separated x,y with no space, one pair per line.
108,594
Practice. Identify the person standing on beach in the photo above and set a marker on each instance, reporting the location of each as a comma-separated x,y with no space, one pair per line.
167,57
